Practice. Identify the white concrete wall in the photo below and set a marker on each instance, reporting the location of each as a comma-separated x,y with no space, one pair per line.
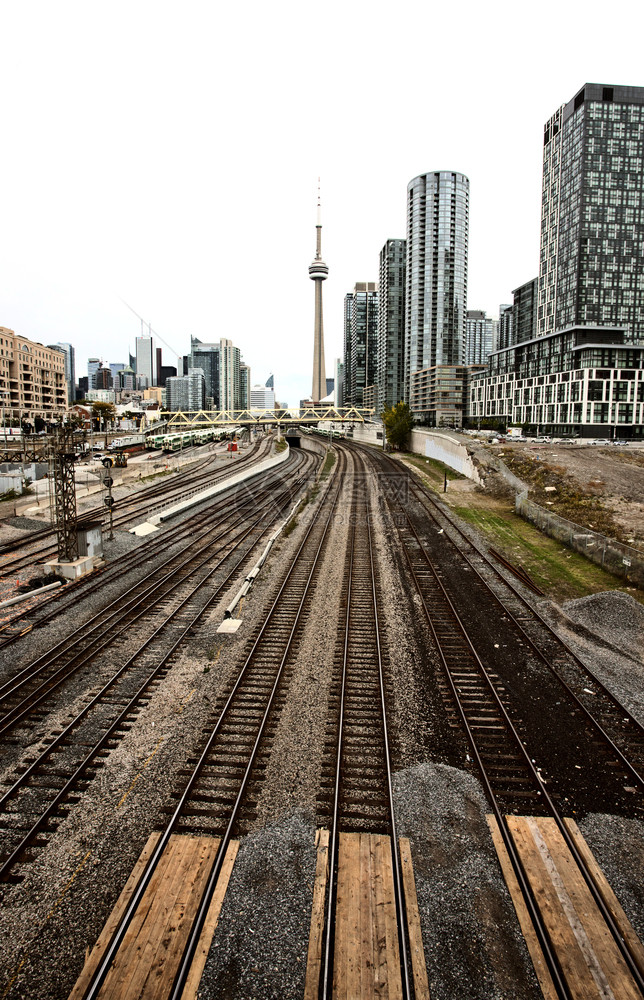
446,449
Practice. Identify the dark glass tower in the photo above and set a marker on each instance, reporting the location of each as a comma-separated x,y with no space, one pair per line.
391,324
591,267
360,340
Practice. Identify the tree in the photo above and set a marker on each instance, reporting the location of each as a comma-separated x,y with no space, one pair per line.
398,423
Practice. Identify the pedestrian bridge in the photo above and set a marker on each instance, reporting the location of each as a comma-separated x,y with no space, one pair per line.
297,415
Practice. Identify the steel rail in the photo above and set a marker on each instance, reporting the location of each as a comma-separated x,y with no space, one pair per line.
588,715
117,723
116,609
161,542
193,939
326,979
630,960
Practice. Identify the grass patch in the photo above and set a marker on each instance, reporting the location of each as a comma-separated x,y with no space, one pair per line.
280,446
561,573
289,526
433,471
329,462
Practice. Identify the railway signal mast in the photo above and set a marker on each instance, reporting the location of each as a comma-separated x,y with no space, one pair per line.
62,492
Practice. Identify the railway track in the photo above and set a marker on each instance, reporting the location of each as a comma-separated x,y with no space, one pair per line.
125,509
216,797
502,696
111,680
59,601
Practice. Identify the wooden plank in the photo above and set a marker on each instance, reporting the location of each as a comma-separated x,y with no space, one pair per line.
560,931
417,952
314,957
104,938
607,965
350,844
393,988
365,951
210,925
525,921
610,899
174,938
142,956
340,946
380,968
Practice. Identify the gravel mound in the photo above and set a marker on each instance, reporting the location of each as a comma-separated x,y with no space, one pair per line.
25,523
259,948
614,616
473,945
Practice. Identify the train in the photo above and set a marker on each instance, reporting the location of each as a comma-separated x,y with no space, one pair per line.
187,439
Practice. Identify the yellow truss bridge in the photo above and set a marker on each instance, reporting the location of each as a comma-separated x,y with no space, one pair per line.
303,415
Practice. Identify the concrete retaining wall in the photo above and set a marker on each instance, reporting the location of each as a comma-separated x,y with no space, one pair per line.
445,449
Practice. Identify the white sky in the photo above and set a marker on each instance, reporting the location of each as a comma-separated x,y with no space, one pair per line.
167,155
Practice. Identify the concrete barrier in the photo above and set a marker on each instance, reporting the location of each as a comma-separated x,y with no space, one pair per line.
446,449
225,484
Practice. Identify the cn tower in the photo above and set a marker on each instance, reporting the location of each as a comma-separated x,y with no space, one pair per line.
318,271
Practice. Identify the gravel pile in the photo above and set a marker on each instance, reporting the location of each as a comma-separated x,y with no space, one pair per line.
473,946
260,947
613,616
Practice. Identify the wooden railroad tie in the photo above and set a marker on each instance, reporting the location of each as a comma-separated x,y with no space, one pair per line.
588,956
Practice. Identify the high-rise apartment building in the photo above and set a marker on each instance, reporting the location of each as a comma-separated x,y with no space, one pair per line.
244,385
361,340
391,324
524,312
592,213
348,313
506,326
186,392
436,271
480,338
338,382
144,359
229,372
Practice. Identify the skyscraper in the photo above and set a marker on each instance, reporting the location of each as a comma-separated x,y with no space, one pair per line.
361,340
592,213
144,358
207,357
524,312
70,369
391,324
436,271
318,272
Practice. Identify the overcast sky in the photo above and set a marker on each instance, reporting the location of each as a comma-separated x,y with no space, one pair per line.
166,156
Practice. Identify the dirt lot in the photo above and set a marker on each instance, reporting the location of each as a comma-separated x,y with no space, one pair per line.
601,487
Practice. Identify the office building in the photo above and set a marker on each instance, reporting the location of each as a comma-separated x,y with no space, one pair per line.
270,382
524,312
391,324
361,340
436,272
207,357
592,221
93,364
145,359
103,378
262,398
481,334
32,379
127,379
186,393
166,372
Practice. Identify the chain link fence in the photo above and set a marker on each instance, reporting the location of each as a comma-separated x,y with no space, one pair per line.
618,559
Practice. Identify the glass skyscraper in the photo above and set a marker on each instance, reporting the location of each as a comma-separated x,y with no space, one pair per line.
436,298
391,324
592,220
361,339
